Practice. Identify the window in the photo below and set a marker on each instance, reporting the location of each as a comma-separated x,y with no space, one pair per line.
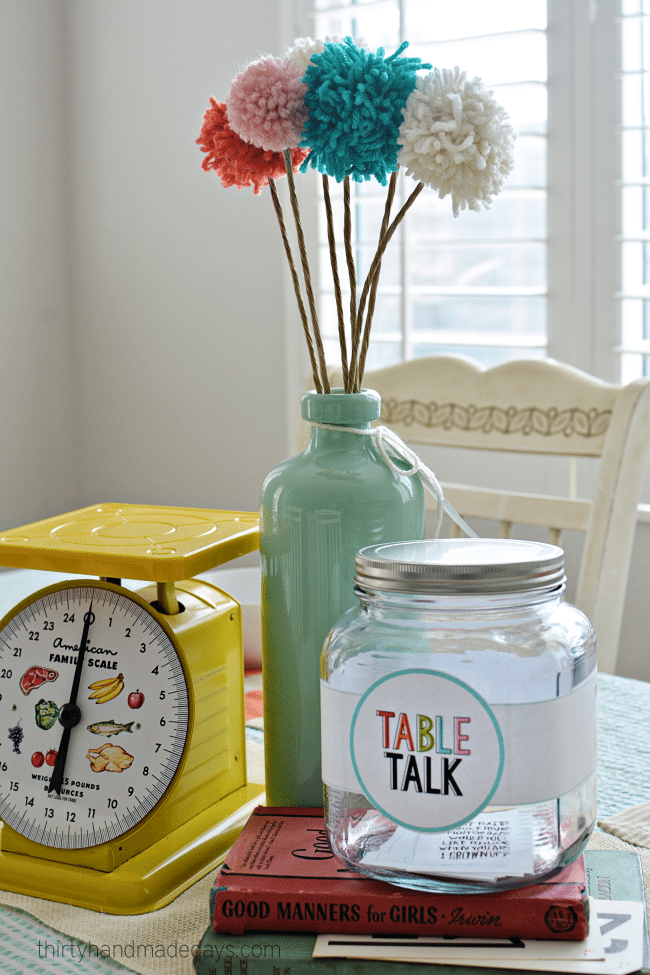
635,190
475,283
559,265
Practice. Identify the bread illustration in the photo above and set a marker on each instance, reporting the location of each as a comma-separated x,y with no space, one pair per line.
109,758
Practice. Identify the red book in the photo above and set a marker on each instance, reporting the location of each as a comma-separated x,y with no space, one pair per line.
281,875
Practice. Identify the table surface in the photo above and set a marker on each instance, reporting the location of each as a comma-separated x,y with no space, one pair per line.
623,782
623,744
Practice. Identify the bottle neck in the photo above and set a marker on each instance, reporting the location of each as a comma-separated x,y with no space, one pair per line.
336,415
335,436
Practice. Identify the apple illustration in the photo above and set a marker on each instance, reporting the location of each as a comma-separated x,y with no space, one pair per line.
50,758
37,759
136,699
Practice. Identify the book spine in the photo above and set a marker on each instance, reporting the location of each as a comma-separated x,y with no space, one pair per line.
472,916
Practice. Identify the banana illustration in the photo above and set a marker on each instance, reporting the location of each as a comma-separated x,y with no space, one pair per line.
102,683
111,693
106,690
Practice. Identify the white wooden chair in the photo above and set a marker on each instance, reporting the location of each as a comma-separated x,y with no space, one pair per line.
536,407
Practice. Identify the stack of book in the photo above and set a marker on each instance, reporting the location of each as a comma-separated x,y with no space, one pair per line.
281,887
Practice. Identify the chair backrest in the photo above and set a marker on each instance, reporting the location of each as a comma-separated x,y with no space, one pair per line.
536,406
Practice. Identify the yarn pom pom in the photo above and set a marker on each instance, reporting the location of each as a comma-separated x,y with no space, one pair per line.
354,104
266,104
303,48
237,163
456,139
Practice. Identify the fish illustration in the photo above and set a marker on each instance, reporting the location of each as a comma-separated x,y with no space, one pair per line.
110,727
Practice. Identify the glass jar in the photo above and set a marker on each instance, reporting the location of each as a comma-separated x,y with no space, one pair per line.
458,706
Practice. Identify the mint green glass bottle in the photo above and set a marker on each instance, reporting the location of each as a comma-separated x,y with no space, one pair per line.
316,511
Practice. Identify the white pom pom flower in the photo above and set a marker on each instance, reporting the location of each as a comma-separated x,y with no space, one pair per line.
303,47
456,139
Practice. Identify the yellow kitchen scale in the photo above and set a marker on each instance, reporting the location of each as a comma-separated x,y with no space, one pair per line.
122,748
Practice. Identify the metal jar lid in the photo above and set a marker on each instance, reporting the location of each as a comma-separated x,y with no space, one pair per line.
460,566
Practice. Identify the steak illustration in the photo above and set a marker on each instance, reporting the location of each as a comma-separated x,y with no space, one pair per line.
36,676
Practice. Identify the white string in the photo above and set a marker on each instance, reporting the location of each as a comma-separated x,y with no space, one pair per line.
386,440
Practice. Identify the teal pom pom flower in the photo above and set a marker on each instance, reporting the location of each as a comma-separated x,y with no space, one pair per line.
354,103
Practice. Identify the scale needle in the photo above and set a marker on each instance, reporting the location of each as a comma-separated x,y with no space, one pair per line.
70,715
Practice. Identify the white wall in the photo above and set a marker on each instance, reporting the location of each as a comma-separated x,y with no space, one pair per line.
142,311
38,449
178,284
151,351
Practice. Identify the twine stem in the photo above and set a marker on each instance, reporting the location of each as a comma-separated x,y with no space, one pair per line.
374,271
296,284
306,272
335,277
356,365
352,275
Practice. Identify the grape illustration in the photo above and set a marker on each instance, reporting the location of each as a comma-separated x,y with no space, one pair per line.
16,735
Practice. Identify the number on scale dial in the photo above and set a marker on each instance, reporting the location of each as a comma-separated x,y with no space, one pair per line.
80,767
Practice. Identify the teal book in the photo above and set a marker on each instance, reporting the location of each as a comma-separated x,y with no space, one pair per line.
611,874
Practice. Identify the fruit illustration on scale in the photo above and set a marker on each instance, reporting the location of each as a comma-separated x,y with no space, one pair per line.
105,690
136,699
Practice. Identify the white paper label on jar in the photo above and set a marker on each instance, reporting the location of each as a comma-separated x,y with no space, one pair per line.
430,753
426,749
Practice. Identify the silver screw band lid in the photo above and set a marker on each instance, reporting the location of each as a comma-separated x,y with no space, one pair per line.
460,566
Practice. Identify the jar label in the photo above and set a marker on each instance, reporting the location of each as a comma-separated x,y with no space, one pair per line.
430,753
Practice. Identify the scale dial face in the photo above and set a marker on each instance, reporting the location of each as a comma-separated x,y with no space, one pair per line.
126,737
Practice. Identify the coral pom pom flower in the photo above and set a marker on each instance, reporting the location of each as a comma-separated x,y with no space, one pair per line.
236,162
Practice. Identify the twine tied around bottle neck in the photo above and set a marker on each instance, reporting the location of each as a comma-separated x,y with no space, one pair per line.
392,447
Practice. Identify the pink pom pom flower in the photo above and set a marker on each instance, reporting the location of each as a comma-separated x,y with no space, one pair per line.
266,104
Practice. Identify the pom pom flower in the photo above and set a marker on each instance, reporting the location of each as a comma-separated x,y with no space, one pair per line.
352,115
354,104
266,104
455,139
303,48
237,163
